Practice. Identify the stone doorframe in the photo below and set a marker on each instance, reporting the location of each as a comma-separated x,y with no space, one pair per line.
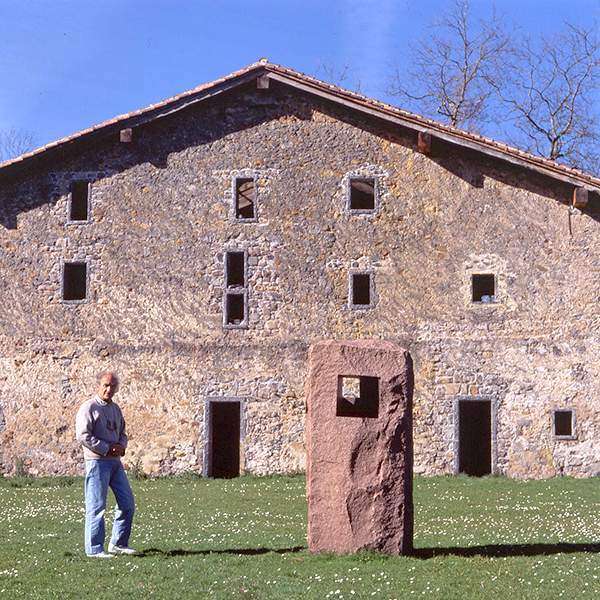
207,436
494,430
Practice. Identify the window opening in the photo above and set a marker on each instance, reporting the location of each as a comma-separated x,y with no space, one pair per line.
357,397
362,193
234,269
74,281
361,289
245,198
484,288
563,422
235,308
79,205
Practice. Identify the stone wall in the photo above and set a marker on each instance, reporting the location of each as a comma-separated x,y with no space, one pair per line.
161,220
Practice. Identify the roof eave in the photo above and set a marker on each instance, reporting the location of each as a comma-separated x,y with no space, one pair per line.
455,137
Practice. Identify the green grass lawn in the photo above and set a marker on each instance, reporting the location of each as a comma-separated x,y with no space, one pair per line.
245,538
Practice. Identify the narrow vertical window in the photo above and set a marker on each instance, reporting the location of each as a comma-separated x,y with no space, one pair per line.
74,284
79,204
483,288
235,269
362,194
361,290
245,198
235,308
235,302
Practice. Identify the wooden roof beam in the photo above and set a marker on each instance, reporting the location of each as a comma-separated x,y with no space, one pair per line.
424,142
126,135
580,197
262,82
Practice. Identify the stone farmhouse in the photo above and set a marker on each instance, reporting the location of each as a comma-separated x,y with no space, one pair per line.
200,245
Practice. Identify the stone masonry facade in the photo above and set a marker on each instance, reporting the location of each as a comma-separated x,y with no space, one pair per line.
160,223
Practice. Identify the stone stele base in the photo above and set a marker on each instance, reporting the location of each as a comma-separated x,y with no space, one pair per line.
359,441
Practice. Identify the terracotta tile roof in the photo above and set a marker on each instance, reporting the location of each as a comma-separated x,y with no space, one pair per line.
352,99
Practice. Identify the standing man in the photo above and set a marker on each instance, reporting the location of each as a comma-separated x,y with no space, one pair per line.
101,430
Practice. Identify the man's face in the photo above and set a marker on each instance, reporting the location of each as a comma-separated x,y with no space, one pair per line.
107,387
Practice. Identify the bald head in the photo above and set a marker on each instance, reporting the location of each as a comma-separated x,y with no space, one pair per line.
103,374
108,385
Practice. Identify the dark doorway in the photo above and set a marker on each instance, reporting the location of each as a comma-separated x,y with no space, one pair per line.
224,439
475,437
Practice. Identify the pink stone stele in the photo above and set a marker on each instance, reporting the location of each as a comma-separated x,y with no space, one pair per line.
360,455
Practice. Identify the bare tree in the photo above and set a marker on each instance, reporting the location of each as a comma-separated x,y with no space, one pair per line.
14,142
450,71
340,76
551,93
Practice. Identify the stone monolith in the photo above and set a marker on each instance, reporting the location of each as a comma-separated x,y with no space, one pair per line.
359,442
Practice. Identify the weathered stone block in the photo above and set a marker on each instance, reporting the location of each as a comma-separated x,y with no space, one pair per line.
360,455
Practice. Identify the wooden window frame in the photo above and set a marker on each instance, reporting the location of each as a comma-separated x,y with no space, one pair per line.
234,211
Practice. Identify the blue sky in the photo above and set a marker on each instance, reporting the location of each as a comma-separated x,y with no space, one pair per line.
66,64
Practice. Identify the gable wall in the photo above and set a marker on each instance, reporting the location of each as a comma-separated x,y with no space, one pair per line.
161,220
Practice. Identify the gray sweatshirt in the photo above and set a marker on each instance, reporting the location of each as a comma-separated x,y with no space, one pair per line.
98,425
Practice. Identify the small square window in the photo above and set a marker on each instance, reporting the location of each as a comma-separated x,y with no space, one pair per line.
74,285
483,286
235,272
79,201
563,423
358,397
360,290
362,194
245,198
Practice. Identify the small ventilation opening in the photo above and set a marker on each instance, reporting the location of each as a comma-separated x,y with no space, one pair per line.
361,289
563,422
362,194
78,210
358,397
484,288
234,309
245,198
74,281
235,269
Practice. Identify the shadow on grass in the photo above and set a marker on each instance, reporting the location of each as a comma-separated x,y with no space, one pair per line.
234,551
489,551
501,550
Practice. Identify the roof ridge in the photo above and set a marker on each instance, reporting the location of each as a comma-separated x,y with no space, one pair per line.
265,65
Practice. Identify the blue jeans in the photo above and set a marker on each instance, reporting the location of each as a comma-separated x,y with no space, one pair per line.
99,476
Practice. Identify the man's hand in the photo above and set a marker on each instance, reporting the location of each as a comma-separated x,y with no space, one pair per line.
116,450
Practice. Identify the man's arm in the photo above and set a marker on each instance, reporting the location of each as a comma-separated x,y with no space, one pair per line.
84,429
122,433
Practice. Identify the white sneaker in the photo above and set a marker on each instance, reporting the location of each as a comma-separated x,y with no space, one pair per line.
100,555
120,549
